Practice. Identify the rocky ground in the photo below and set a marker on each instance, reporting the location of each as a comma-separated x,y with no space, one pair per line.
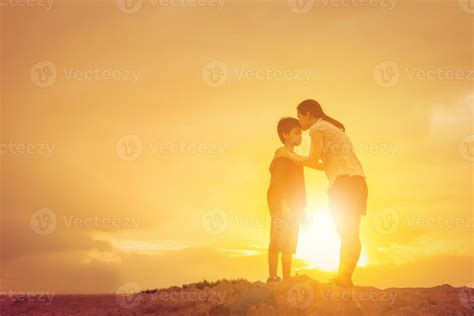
301,296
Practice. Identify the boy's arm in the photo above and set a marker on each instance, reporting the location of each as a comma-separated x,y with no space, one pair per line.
279,178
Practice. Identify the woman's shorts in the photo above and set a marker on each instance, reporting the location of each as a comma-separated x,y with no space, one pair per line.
348,196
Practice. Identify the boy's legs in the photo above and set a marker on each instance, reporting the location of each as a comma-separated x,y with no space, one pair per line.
274,247
290,244
273,263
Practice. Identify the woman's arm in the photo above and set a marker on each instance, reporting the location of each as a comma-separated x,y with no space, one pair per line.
308,163
315,154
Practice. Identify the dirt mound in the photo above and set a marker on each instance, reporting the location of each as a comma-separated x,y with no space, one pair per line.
301,296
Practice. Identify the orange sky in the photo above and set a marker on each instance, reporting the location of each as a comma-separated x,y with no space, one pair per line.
157,172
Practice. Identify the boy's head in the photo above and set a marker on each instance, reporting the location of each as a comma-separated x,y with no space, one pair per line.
289,131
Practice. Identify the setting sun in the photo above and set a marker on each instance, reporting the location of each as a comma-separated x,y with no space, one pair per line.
319,243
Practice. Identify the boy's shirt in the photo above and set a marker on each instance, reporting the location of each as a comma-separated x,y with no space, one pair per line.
286,186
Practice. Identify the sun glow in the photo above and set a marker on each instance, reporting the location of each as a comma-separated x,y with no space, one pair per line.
319,243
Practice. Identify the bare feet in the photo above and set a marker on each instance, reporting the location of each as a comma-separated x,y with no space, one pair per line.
273,279
342,282
287,278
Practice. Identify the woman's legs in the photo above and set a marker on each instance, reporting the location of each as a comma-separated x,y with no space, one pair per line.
348,202
286,259
348,230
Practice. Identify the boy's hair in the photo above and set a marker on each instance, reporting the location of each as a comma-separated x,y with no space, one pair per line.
285,125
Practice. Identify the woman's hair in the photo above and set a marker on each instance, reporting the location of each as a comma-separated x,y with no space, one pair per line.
314,108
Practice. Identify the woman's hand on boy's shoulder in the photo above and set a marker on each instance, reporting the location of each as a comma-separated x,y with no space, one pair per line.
281,152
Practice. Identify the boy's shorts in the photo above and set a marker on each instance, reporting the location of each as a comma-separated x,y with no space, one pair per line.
284,234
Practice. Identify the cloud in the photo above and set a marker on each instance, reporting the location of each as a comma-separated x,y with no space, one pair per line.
452,120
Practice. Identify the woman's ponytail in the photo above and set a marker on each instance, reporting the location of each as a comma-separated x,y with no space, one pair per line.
334,122
315,109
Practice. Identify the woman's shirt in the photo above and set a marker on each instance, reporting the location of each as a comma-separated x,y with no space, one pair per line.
338,152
